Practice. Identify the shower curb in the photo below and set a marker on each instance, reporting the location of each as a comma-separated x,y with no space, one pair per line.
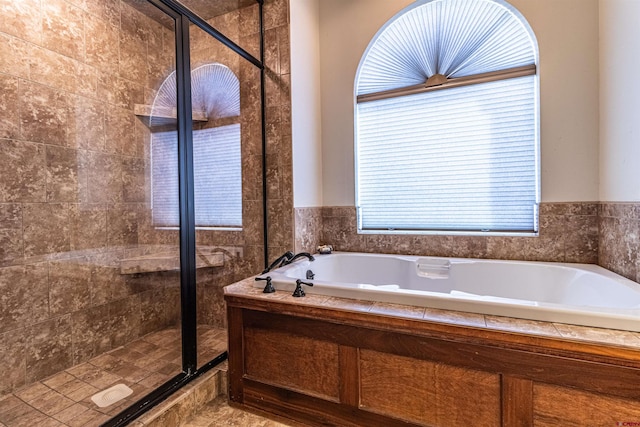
179,407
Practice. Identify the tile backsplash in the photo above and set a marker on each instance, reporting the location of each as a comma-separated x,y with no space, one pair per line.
607,234
619,247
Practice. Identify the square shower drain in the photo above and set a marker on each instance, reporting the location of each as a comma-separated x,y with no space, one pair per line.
111,395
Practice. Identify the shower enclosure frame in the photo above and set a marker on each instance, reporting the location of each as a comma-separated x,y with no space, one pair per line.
183,17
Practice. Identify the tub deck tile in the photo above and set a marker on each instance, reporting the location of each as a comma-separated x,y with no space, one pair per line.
397,310
608,336
622,338
348,304
310,299
455,317
525,326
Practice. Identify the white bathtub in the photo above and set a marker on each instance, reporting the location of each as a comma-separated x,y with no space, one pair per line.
579,294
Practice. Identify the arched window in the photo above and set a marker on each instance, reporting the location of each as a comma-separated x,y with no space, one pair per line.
447,121
216,150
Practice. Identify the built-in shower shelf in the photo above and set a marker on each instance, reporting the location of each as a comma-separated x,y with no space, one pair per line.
168,261
162,117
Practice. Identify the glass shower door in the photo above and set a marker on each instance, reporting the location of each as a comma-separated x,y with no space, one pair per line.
150,263
227,170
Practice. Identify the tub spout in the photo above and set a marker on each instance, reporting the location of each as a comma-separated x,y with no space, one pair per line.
299,255
279,262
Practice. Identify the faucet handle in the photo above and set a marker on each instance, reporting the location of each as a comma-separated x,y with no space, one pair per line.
268,289
299,292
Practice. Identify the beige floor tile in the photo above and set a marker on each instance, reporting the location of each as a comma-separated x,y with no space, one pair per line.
71,412
51,403
64,399
219,413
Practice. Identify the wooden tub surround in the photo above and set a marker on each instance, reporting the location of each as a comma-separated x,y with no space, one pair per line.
330,361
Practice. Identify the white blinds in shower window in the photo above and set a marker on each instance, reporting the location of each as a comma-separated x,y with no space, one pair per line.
458,159
217,178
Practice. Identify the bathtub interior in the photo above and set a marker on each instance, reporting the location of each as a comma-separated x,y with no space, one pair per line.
578,285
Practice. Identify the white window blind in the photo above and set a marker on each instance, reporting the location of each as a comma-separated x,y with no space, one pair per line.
217,177
459,158
217,162
164,179
455,38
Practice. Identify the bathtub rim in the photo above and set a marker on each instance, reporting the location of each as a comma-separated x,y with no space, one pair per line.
599,317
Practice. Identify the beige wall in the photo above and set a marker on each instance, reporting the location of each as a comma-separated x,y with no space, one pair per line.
619,100
567,32
305,103
344,35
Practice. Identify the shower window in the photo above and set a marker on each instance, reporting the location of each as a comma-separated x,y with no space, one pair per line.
216,151
447,121
218,185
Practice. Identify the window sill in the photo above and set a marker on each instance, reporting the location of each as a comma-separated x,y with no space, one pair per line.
452,233
203,228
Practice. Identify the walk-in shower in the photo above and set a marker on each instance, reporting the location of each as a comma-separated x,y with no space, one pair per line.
131,193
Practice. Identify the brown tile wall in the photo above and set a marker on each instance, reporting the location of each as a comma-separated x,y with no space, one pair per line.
242,26
568,233
246,247
607,234
278,128
620,238
74,181
308,229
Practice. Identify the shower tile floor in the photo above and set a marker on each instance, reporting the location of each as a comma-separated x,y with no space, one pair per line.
64,399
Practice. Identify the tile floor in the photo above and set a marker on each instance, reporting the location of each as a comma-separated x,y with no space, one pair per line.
64,399
218,413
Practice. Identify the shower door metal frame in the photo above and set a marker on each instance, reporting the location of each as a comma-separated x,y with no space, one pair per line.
183,17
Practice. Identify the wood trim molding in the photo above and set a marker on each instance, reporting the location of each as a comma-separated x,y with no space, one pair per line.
517,401
236,352
349,375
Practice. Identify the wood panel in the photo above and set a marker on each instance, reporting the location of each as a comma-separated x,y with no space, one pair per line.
347,369
236,353
561,406
349,376
593,376
428,393
449,331
466,396
313,411
398,387
293,362
517,402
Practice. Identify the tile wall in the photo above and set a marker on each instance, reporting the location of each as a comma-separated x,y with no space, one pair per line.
280,230
75,180
73,183
607,234
619,248
308,229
